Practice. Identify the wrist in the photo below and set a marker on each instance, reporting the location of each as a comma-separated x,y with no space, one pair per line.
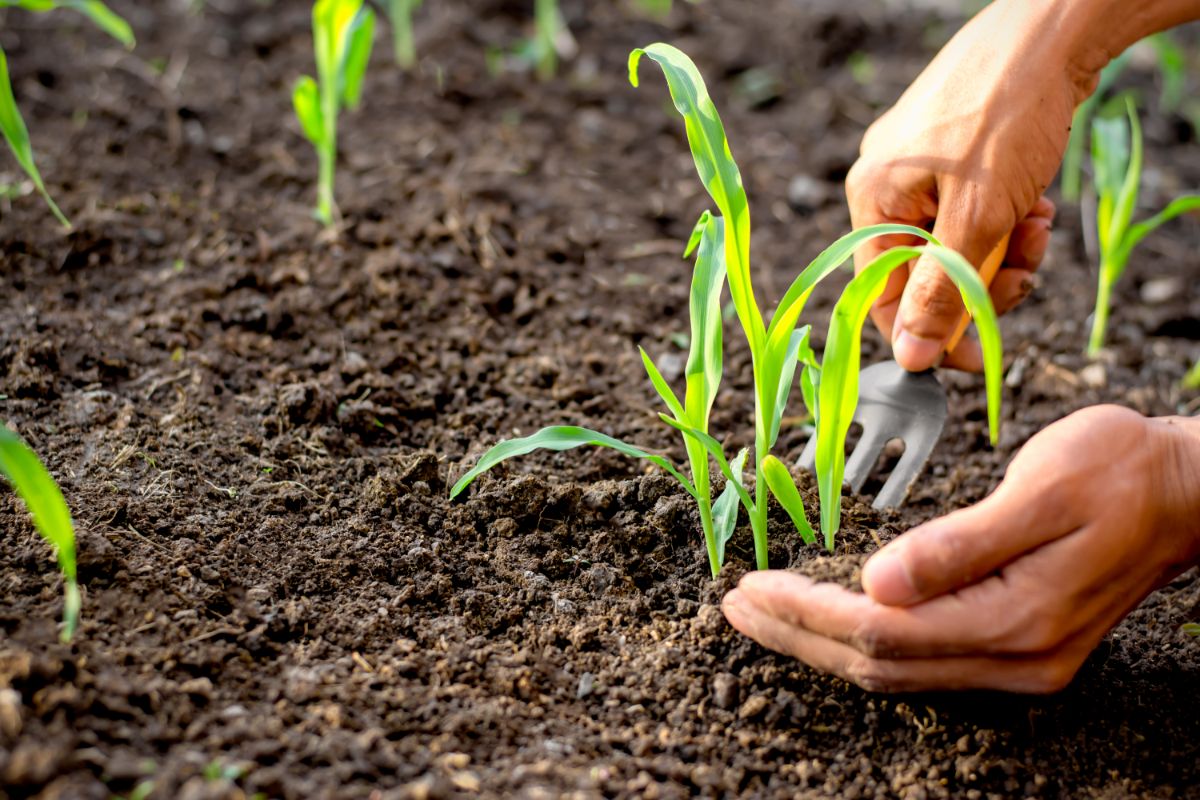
1178,484
1088,34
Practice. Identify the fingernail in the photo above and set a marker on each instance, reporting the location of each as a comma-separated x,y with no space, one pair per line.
1027,287
916,352
885,578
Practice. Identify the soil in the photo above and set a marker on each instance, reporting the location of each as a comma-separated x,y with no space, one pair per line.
255,423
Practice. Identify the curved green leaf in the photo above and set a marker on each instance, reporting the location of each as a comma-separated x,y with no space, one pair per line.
705,355
25,471
105,19
725,510
718,172
12,125
779,480
715,450
1139,231
837,395
562,437
661,386
358,53
306,99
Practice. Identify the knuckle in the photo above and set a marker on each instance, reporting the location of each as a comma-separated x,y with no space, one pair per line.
872,674
872,639
934,294
1055,675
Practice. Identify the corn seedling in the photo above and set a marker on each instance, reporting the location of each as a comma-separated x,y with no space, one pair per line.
343,32
400,13
777,349
1117,167
1192,379
548,23
25,471
12,124
1072,166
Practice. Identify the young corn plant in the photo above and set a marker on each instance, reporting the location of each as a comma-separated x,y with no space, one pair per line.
548,23
343,33
22,468
12,124
777,349
1117,166
400,14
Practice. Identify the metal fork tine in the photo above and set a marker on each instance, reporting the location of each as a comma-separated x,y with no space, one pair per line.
866,453
893,404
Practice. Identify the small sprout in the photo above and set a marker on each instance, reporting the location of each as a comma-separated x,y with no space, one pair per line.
400,13
548,24
1117,167
343,33
12,124
25,471
722,247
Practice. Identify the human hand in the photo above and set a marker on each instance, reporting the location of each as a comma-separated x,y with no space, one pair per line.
1095,512
969,149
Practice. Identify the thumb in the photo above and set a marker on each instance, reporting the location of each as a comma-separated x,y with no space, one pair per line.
960,549
931,306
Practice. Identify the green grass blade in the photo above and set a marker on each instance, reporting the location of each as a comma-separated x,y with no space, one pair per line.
25,471
779,480
838,391
12,125
562,437
705,355
725,510
661,386
718,453
105,19
306,99
718,172
360,38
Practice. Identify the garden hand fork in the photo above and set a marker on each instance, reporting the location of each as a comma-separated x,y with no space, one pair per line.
893,404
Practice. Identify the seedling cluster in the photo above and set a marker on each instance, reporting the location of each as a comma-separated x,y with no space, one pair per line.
778,348
1117,168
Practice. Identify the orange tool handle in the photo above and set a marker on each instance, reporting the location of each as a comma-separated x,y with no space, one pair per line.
991,265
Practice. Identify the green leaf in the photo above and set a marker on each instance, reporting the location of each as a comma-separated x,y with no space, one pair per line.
1126,200
306,99
1110,163
779,480
725,510
837,396
661,386
705,356
1139,231
718,172
357,55
105,19
25,471
12,124
717,452
562,437
787,375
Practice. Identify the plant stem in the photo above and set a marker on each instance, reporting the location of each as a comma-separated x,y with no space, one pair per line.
327,151
762,496
402,35
1100,316
325,186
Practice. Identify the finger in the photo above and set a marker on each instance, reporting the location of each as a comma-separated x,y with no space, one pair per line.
958,549
1010,288
1028,244
1040,674
931,307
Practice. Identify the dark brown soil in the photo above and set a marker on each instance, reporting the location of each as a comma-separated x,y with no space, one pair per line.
255,424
